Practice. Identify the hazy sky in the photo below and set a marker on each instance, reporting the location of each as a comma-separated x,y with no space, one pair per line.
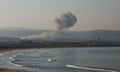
40,14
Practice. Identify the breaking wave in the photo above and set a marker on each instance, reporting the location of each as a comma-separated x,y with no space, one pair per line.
17,60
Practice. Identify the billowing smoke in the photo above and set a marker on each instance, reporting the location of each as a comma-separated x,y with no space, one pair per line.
45,35
66,20
63,22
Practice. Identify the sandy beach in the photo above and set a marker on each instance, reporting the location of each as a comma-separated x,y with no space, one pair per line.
12,49
11,70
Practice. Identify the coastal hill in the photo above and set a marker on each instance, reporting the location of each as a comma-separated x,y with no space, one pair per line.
10,38
71,35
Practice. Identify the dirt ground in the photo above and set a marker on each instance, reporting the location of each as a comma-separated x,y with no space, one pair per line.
11,70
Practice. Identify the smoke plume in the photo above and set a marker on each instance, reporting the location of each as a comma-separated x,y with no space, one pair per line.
63,22
66,20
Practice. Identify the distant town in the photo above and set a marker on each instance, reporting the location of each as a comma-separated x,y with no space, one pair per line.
19,43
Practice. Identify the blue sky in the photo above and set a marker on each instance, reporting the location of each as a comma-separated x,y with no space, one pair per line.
40,14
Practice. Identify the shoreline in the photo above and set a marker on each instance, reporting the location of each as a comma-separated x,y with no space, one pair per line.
3,50
13,49
11,69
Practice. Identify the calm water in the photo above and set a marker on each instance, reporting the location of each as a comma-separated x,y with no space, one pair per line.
86,59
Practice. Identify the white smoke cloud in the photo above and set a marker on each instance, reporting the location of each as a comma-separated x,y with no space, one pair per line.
63,22
46,35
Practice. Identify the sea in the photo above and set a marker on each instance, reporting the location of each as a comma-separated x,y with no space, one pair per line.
80,59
